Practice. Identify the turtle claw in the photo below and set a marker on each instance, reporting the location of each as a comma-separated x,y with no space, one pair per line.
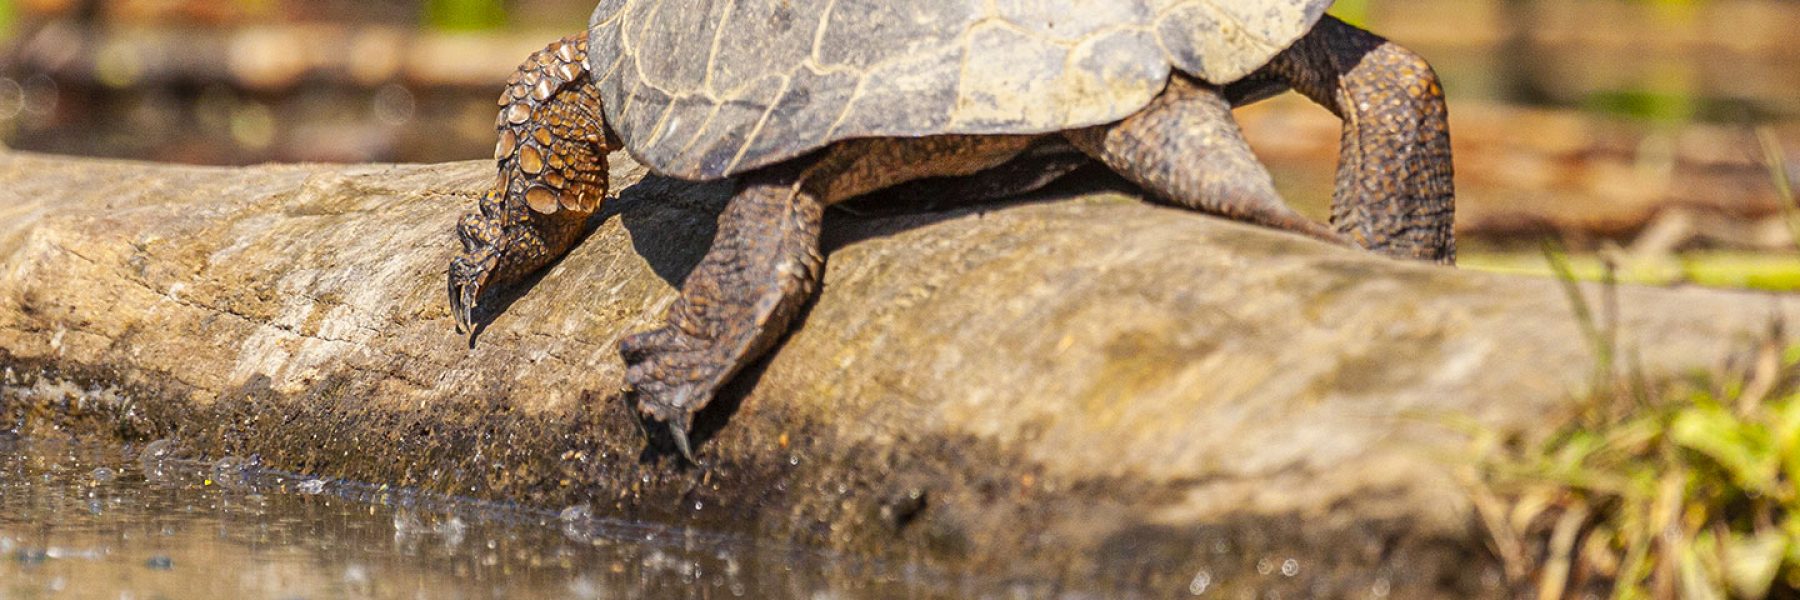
678,431
461,307
467,277
677,427
661,380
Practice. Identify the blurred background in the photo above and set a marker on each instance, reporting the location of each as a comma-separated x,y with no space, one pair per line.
1655,135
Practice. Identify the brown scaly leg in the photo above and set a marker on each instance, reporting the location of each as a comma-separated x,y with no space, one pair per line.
1185,148
1395,194
765,263
552,176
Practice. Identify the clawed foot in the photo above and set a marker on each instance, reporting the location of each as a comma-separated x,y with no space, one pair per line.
671,376
734,305
471,270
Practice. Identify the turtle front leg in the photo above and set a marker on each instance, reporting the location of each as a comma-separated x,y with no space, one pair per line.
1395,192
764,263
552,176
1185,148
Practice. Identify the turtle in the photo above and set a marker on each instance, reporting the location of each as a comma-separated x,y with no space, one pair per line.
804,104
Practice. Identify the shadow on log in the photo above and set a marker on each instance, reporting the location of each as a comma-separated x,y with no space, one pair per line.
1080,388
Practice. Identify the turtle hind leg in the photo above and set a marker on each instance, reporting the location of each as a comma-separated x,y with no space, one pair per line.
1186,149
764,263
551,158
1395,190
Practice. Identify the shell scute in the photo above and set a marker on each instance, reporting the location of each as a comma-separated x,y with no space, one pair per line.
703,89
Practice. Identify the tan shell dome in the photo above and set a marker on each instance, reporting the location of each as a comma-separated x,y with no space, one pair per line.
703,89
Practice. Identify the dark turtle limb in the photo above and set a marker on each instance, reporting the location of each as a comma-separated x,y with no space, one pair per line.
1395,194
1038,166
1185,148
765,263
552,176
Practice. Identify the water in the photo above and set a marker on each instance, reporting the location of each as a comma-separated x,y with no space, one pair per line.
95,521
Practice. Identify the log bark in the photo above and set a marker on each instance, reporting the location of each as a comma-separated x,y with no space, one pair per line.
1077,388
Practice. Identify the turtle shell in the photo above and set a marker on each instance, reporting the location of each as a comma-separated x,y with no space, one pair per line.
704,89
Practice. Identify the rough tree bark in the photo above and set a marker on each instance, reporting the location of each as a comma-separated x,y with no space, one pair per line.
1079,387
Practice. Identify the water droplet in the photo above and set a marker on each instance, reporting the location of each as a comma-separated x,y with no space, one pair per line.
102,475
578,512
311,487
158,450
160,563
356,574
1201,581
1290,567
452,531
1382,588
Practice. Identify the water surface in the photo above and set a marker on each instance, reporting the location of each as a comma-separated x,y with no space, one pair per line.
82,520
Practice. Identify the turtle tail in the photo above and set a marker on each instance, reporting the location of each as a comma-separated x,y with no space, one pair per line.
552,176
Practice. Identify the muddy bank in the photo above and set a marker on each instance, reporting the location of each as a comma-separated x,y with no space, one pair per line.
1079,388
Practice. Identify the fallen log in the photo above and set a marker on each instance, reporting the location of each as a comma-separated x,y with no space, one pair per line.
1078,388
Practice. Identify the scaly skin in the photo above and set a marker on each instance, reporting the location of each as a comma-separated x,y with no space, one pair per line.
552,176
1185,148
1394,193
765,262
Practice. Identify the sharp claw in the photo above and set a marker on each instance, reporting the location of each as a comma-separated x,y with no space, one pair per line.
456,308
640,418
469,320
462,301
678,430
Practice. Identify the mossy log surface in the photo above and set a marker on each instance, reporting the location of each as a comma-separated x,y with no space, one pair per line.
1079,387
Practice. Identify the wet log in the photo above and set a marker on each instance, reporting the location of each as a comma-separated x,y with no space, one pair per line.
1077,388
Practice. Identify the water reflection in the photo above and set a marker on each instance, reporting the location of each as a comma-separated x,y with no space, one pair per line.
95,521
